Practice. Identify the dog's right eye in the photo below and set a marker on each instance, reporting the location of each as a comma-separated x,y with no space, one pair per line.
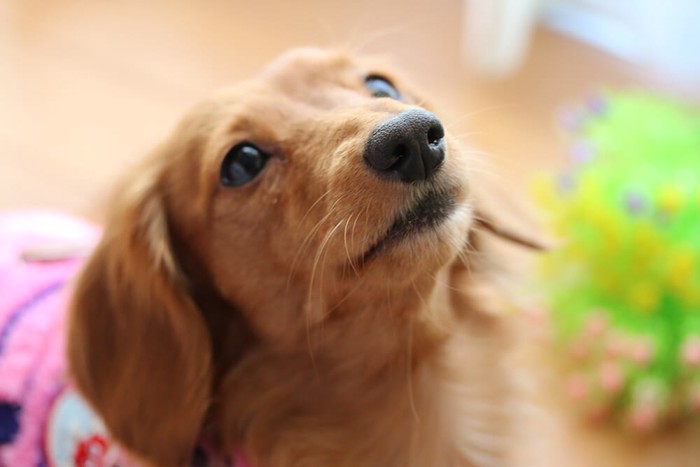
242,164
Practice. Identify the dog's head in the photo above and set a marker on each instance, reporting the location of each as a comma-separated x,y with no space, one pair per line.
309,191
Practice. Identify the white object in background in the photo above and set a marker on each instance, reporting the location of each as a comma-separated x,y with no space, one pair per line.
671,32
660,33
497,33
609,25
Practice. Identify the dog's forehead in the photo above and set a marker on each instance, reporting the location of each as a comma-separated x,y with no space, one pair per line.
301,83
305,74
311,65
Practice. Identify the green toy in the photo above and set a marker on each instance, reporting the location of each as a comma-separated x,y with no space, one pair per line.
624,288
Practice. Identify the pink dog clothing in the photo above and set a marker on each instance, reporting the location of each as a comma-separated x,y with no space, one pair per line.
43,421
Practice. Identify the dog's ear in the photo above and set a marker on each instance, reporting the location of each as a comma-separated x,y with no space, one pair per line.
138,347
502,215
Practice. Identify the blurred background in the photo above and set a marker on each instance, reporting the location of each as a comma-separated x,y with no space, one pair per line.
88,87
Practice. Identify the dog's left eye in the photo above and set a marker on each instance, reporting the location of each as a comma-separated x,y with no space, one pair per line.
242,164
381,87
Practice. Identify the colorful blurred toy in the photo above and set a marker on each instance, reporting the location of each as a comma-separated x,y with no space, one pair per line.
624,288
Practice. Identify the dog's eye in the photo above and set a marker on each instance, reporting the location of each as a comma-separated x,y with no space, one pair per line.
381,87
242,164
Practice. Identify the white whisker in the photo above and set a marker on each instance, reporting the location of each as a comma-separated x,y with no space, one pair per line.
347,250
317,259
309,236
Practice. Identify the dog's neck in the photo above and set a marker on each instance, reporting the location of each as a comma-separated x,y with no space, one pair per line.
380,381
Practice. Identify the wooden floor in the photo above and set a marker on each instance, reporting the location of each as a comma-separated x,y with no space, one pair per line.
87,87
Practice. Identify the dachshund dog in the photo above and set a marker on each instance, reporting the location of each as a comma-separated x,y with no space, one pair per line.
301,273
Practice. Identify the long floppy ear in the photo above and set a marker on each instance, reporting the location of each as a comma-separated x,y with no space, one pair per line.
504,216
138,347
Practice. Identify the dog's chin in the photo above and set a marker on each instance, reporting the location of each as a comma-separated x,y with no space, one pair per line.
430,226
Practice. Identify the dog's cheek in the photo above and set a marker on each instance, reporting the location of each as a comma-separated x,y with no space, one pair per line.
248,271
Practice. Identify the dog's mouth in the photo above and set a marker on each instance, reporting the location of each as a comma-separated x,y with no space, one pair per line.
427,213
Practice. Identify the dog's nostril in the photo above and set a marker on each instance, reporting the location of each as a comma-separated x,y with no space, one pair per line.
400,151
435,135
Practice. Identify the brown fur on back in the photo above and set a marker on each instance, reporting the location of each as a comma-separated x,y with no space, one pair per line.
249,316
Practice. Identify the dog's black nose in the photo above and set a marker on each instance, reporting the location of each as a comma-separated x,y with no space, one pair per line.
408,147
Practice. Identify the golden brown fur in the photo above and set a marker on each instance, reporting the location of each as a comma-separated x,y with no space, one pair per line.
247,315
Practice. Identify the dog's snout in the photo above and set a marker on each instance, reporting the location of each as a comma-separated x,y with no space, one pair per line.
408,147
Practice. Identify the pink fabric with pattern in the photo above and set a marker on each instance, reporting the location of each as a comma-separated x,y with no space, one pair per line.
33,301
33,298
